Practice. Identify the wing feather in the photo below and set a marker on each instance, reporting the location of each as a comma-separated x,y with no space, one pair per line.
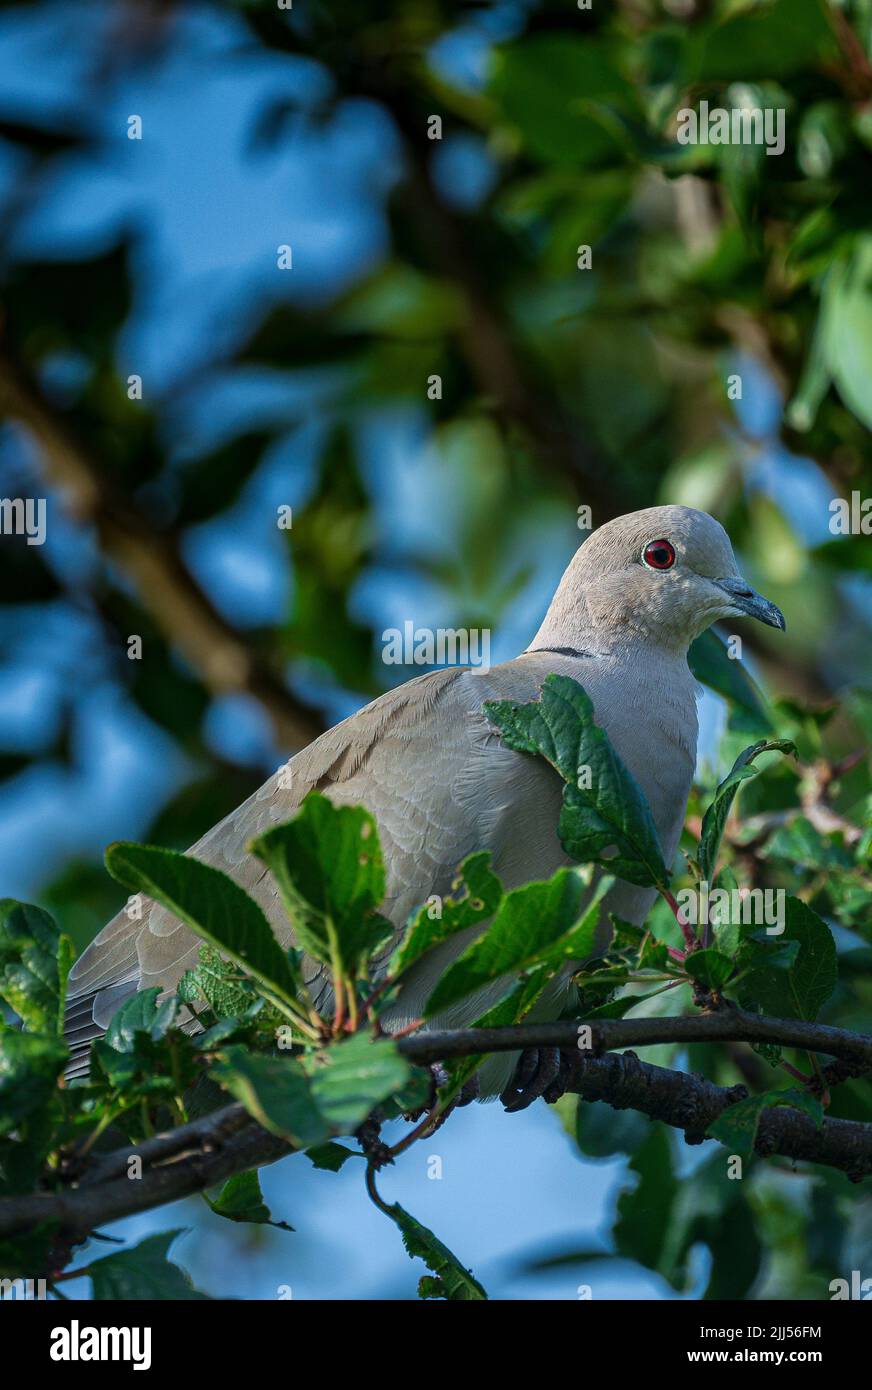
360,760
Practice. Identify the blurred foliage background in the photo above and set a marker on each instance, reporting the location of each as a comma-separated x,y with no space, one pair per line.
559,387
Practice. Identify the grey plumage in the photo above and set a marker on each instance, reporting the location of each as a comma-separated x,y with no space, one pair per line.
425,761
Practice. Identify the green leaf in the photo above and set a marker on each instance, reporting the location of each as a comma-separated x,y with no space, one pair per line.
141,1050
710,966
35,961
331,1157
218,982
644,1214
770,1052
626,936
843,553
846,327
327,862
808,973
612,810
141,1014
728,933
452,1281
209,902
742,174
413,1097
601,1131
715,817
229,1030
307,1100
710,1207
768,41
435,923
800,843
537,924
143,1272
616,1008
654,954
29,1068
579,943
737,1126
241,1199
566,94
276,1091
801,411
350,1078
710,662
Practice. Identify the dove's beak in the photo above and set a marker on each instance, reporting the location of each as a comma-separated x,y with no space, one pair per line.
746,600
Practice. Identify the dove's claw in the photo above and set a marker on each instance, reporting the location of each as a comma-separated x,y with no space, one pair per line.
537,1073
564,1075
469,1091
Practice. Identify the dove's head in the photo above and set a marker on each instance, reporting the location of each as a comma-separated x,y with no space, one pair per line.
665,573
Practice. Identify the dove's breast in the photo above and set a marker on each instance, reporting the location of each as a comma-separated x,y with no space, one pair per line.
509,803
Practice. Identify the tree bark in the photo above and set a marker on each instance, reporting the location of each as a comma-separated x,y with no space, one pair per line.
207,1151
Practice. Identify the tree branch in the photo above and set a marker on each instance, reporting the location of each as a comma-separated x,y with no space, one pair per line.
152,560
206,1151
183,1161
692,1104
726,1025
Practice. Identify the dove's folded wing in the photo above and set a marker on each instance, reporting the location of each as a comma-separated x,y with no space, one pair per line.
420,758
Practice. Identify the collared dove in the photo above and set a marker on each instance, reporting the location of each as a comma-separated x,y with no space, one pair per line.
425,761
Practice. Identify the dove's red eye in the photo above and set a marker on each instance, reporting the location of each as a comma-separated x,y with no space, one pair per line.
659,555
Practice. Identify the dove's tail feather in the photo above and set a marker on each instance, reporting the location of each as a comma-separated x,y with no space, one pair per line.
80,1030
85,1019
78,1068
